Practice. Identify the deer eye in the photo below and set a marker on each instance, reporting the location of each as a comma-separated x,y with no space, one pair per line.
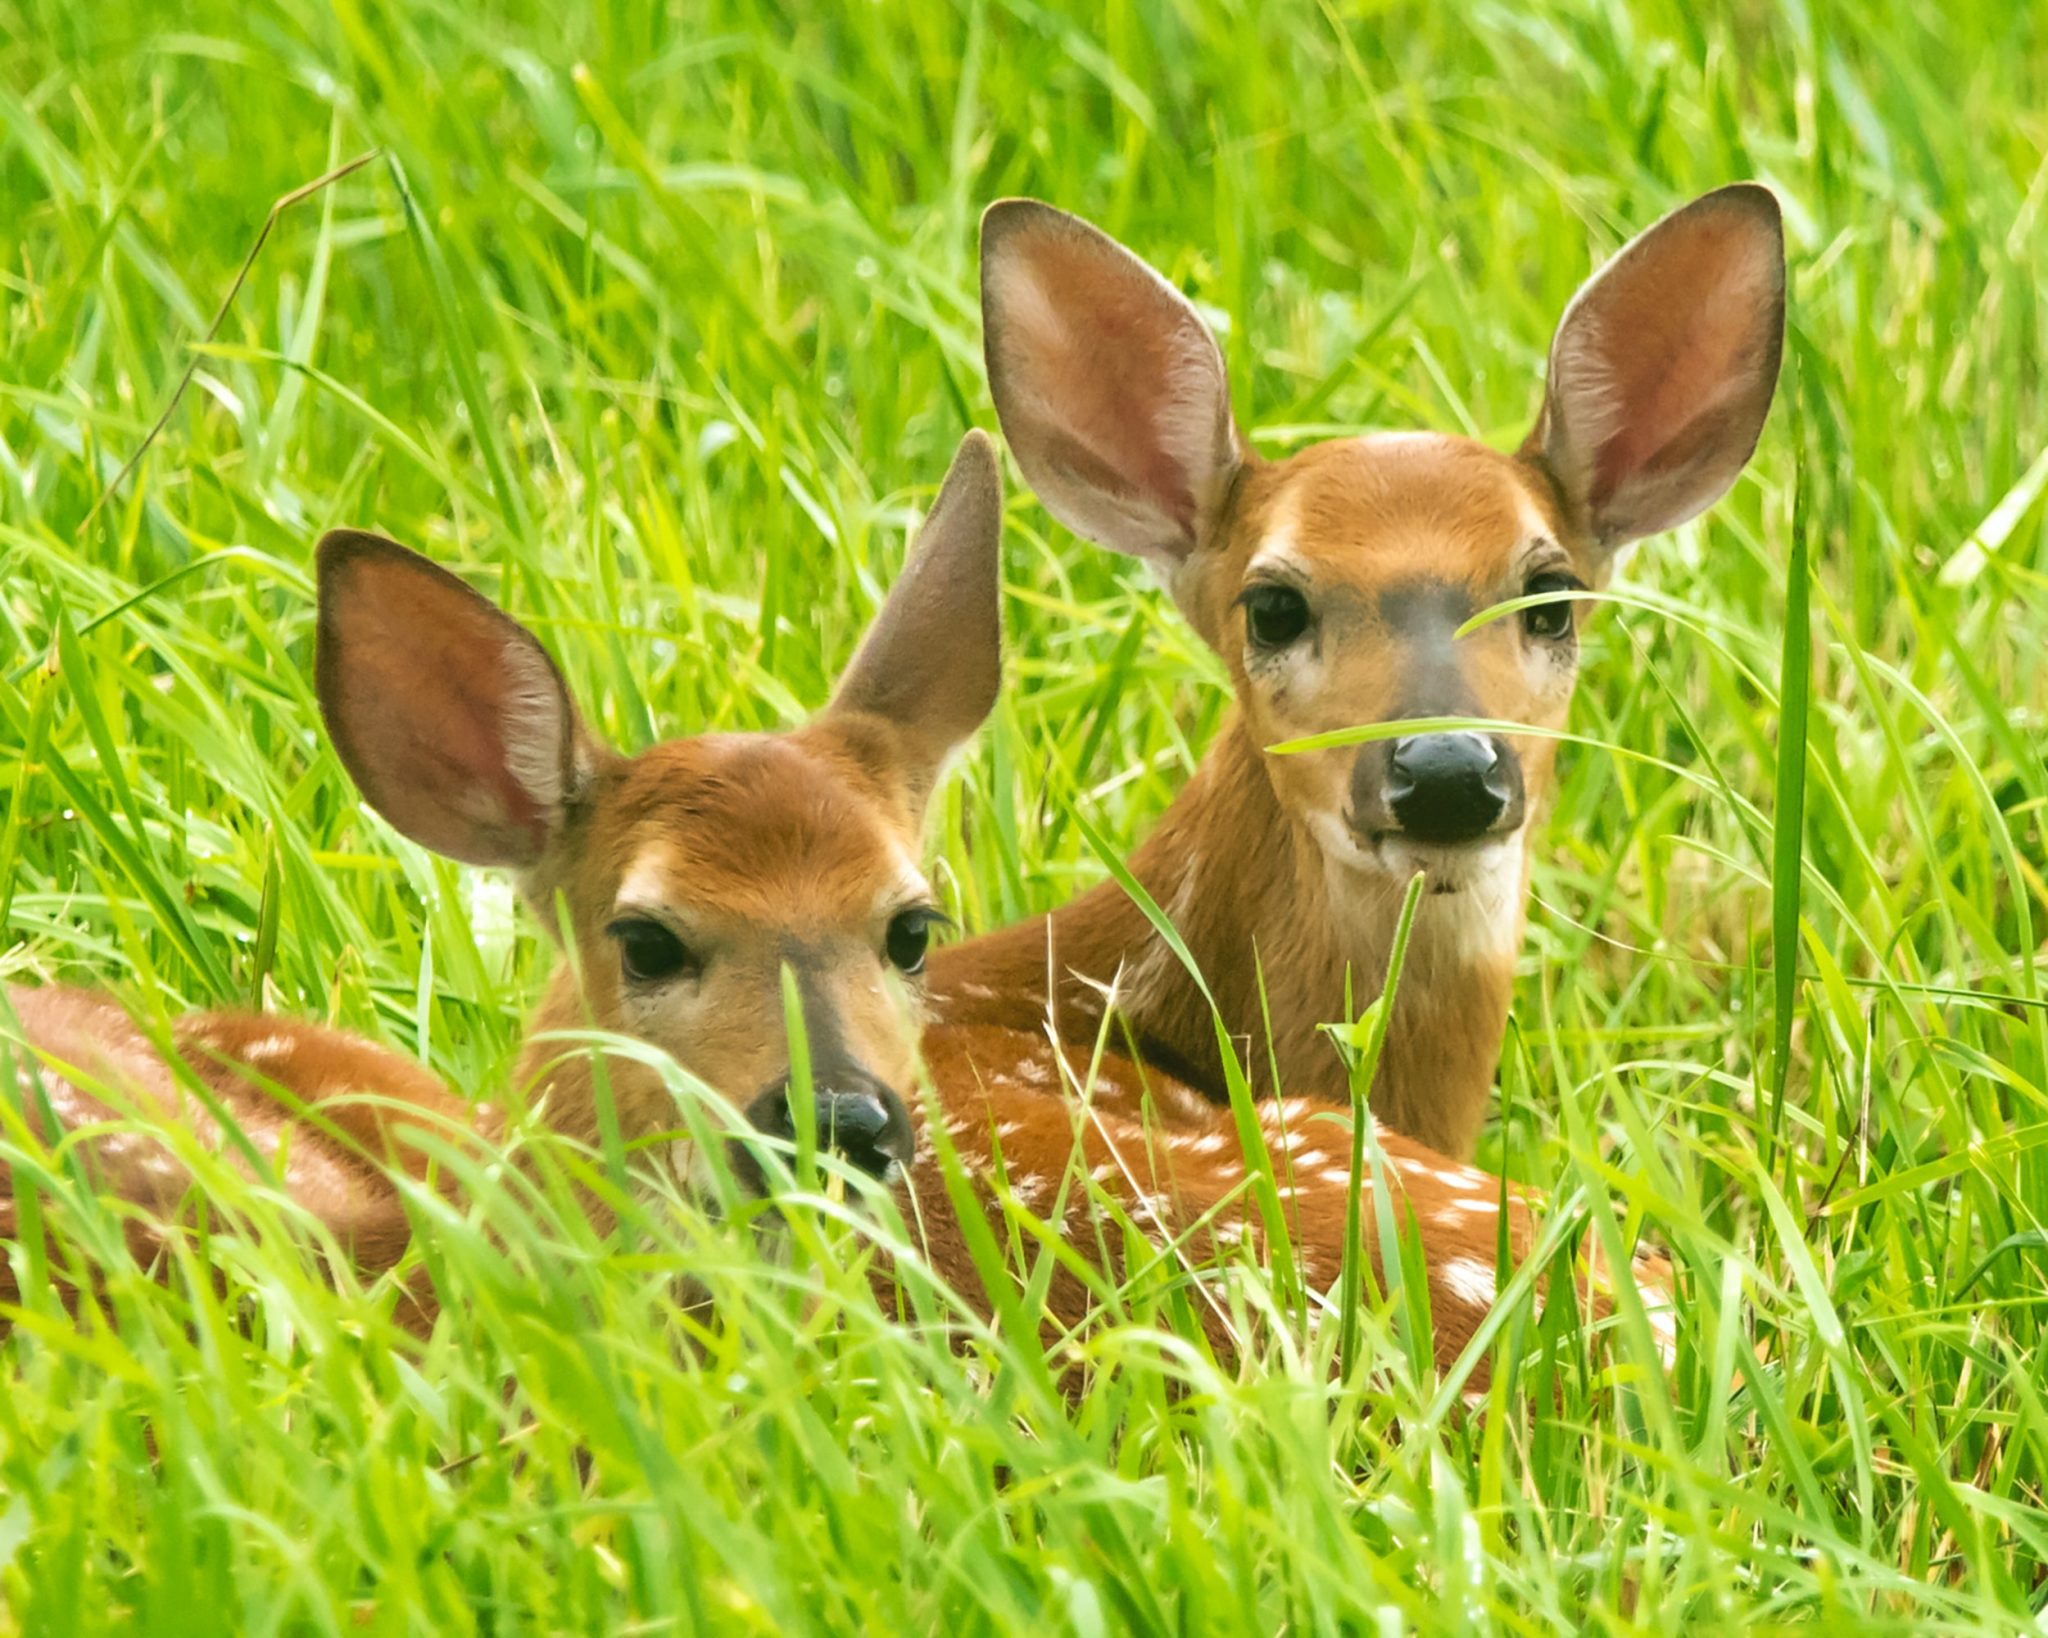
649,953
1548,622
1274,616
909,936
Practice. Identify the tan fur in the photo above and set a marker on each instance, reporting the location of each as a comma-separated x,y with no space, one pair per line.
1236,852
762,841
1180,1173
764,847
334,1106
763,853
1272,867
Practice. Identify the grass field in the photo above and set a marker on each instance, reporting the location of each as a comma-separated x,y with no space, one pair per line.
660,321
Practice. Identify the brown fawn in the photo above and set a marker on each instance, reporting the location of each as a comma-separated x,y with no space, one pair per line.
690,879
1334,585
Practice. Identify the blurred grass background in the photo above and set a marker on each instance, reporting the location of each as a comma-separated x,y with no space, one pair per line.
659,321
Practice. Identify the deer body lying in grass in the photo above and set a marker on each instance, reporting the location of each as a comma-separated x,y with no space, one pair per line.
689,880
1334,585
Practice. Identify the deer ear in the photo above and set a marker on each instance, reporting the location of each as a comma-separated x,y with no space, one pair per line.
1110,389
931,663
1663,368
447,713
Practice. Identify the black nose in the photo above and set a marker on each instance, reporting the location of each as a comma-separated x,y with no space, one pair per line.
1452,787
859,1119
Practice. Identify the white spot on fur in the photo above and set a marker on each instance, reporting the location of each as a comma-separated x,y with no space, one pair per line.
1469,1280
270,1047
1287,1112
1032,1191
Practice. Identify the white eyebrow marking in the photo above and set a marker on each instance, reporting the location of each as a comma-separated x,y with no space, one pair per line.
1535,527
645,884
1278,548
907,887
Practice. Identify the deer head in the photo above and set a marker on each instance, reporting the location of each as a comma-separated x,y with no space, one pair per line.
1334,583
690,877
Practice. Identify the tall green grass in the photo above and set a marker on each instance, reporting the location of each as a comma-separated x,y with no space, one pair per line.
659,321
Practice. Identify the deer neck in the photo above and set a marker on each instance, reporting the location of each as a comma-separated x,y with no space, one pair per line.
1279,932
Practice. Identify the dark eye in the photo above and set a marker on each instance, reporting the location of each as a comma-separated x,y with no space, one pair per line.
1548,621
649,953
909,936
1275,615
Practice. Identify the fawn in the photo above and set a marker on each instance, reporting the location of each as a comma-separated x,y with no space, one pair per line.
689,879
1334,585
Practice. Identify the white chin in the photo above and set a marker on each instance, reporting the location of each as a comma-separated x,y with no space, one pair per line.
1457,868
1450,868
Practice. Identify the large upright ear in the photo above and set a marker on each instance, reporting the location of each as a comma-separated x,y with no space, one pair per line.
931,663
448,714
1110,389
1663,368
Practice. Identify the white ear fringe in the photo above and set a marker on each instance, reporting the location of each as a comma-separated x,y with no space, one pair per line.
534,725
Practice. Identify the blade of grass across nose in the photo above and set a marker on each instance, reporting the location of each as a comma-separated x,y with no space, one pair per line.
1366,733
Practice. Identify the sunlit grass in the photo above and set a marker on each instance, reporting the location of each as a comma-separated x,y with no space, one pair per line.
661,326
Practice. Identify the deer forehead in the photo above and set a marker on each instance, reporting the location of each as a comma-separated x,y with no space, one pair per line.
1391,508
754,830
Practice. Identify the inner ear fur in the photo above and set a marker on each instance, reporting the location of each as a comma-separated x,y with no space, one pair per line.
1664,367
450,716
